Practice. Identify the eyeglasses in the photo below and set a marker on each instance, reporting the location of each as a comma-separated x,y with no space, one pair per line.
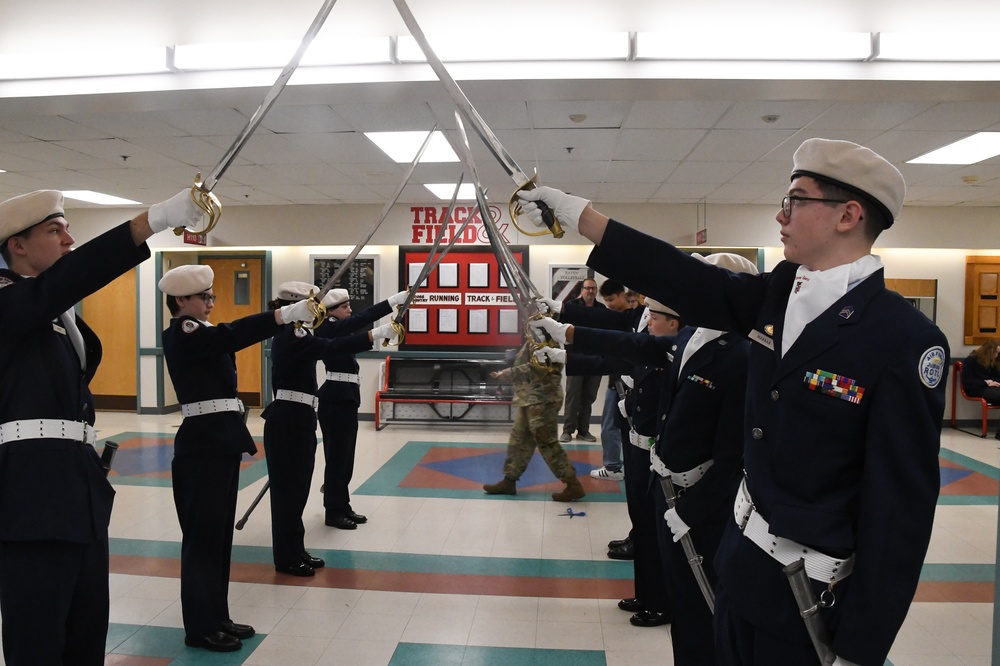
786,203
207,298
589,288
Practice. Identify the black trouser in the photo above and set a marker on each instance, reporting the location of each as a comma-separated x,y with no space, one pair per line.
691,630
54,601
650,587
581,392
339,423
205,490
290,450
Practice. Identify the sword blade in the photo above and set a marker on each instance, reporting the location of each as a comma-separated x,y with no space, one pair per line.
279,84
339,273
693,558
516,173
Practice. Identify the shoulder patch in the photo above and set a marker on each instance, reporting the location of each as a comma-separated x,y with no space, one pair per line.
5,281
931,367
189,326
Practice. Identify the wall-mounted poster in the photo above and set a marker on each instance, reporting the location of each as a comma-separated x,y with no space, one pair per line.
359,280
565,281
464,306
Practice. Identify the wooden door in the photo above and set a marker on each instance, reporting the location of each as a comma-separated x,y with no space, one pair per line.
239,293
982,299
111,313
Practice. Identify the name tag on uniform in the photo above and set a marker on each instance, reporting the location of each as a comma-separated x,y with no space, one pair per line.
761,338
58,329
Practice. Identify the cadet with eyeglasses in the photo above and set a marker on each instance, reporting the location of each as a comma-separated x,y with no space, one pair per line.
844,407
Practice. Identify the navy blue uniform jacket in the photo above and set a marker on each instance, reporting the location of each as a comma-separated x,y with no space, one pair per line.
202,364
333,328
55,488
838,475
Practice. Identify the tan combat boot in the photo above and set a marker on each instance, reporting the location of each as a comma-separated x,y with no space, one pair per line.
503,487
572,491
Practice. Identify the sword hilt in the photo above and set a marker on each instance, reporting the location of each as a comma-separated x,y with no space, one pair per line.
208,202
514,208
318,311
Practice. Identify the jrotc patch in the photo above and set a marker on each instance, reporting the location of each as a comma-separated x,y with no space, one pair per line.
931,367
189,326
5,281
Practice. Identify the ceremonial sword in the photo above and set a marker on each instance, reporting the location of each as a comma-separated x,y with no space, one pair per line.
693,558
516,173
316,306
809,608
202,190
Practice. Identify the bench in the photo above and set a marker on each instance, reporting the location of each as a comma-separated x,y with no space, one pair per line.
956,387
430,390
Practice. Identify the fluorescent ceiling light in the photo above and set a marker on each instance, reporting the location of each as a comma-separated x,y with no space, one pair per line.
569,46
266,55
443,191
402,146
976,148
748,45
939,47
70,64
99,198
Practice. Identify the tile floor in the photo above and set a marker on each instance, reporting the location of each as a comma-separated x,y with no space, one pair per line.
442,574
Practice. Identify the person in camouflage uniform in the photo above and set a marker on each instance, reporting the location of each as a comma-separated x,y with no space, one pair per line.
537,398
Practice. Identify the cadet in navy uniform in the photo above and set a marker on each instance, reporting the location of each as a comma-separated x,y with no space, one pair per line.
339,400
209,445
55,502
844,407
649,349
290,426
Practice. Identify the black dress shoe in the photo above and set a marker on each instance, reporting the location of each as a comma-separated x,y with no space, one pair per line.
341,522
647,618
314,562
297,569
357,517
626,552
631,605
240,631
619,543
217,642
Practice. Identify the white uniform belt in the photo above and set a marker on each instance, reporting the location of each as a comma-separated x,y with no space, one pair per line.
642,441
297,396
212,407
819,566
78,431
680,479
343,377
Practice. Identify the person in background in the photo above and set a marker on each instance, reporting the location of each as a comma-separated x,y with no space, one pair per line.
55,499
981,374
290,425
845,400
537,397
615,299
339,400
581,390
209,445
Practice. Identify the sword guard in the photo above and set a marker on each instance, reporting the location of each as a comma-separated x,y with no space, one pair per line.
317,310
208,202
400,333
514,208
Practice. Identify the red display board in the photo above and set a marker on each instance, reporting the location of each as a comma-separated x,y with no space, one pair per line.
463,305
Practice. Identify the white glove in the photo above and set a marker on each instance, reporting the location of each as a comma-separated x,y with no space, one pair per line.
384,332
549,305
397,299
553,354
554,329
628,381
566,207
298,311
621,407
677,526
179,210
840,661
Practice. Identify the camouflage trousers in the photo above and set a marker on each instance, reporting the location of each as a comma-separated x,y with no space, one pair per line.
537,425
